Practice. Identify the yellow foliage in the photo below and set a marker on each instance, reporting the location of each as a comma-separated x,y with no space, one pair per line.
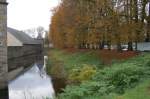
82,74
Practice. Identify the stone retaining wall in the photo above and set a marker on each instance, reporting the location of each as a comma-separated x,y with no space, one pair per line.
3,45
24,56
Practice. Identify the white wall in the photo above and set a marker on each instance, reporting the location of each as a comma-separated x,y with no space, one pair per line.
12,40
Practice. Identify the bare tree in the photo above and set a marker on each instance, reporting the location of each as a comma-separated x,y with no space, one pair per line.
40,31
36,32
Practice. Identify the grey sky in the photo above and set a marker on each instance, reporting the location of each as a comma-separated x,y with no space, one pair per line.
25,14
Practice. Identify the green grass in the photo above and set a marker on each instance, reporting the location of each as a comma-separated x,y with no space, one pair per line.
142,91
131,76
73,60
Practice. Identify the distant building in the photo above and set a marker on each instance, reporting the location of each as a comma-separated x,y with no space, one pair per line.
143,46
23,50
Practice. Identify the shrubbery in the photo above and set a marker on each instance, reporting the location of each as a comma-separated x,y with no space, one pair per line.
82,74
148,63
57,71
114,79
121,77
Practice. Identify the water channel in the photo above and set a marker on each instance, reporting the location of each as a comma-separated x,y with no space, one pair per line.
32,84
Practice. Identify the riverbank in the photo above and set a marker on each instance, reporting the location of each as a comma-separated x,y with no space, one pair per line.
88,74
61,63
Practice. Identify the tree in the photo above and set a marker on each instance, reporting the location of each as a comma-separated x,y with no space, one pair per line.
148,23
95,23
40,31
46,39
34,32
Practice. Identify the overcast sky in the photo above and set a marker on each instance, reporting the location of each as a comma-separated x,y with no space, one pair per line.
26,14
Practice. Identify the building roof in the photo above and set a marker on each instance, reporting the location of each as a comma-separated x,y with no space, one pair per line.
23,37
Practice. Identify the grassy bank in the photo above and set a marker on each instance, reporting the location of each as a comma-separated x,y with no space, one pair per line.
64,62
90,78
141,91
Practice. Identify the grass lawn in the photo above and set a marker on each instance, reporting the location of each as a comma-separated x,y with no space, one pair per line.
71,60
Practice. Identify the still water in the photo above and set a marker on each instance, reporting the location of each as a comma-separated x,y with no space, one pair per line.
32,84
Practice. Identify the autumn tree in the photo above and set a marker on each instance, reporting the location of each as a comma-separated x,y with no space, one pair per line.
95,23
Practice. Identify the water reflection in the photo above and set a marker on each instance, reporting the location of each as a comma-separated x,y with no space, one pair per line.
33,84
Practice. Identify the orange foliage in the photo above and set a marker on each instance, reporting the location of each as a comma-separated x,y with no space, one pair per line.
91,23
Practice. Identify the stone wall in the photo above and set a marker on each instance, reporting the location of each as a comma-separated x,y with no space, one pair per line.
3,45
24,56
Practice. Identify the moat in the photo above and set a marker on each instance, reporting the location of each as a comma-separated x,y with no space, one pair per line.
32,84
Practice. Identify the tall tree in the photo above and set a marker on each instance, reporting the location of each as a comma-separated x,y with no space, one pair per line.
95,23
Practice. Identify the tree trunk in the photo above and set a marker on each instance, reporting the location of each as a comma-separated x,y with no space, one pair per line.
136,10
143,10
148,26
135,46
130,46
109,45
88,46
83,45
119,47
101,45
136,21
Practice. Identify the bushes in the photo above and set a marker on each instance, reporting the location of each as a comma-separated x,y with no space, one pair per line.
55,68
82,74
122,77
85,90
114,79
148,63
